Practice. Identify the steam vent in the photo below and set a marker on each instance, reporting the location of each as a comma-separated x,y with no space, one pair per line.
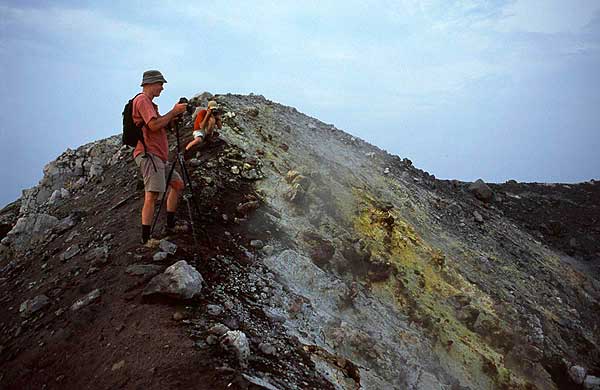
317,261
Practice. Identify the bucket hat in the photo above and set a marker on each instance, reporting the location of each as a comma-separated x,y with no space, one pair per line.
152,76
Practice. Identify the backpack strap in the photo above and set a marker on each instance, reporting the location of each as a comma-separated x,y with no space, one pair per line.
142,139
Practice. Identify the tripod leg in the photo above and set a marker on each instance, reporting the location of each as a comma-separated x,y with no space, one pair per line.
188,183
163,200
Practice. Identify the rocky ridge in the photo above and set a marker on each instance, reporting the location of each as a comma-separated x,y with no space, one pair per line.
321,261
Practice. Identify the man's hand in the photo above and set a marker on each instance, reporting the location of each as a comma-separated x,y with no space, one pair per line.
179,108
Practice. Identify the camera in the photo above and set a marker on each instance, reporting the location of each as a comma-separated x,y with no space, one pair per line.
190,106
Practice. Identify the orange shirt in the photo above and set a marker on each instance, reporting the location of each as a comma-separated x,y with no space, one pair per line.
144,110
199,118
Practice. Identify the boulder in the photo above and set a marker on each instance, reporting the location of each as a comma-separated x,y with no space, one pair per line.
481,190
30,230
180,281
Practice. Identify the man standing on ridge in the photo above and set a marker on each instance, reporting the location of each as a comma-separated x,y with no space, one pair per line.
152,156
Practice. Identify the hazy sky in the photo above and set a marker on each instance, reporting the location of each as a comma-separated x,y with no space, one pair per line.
466,89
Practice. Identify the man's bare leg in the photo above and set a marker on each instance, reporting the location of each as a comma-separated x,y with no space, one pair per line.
147,213
175,189
193,143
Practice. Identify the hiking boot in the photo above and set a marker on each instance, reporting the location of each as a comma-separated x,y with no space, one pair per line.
152,243
167,231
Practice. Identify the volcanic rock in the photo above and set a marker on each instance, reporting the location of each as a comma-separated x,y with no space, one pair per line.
481,190
180,281
32,306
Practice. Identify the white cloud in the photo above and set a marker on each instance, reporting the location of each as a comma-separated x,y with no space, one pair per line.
85,31
548,16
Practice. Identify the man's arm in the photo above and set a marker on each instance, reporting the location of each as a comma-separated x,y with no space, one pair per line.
156,124
205,119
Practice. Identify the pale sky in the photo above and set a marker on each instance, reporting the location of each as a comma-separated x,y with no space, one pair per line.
495,90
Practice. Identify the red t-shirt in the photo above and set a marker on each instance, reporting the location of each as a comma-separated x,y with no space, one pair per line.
199,118
144,110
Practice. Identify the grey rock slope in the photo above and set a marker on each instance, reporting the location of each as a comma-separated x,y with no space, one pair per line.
440,284
384,275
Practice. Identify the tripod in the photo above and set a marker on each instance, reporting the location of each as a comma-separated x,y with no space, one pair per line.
189,196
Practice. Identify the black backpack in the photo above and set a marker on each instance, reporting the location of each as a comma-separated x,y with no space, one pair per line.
131,133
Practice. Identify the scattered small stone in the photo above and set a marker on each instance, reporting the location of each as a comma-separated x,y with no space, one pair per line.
86,300
577,374
167,246
219,330
160,256
245,208
214,310
478,217
252,111
267,348
33,305
258,244
268,250
251,174
211,339
386,171
143,269
92,270
238,342
194,162
118,366
591,383
70,252
65,224
235,170
107,237
97,256
178,315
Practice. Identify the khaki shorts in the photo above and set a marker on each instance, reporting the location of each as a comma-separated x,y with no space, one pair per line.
155,180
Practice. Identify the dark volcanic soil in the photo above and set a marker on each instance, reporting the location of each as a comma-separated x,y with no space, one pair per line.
564,216
123,340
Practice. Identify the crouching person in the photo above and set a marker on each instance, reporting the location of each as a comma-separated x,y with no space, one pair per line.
152,155
204,125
